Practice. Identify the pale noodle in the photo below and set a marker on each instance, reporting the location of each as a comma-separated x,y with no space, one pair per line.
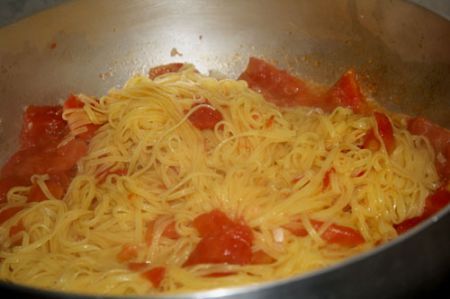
266,175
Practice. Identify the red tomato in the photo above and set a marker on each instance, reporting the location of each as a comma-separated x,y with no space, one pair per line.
386,131
42,125
15,229
346,93
334,234
440,140
155,275
9,182
42,160
433,204
57,185
277,86
205,118
164,69
127,253
223,241
8,213
72,102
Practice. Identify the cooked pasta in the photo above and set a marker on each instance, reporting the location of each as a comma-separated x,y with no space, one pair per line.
293,175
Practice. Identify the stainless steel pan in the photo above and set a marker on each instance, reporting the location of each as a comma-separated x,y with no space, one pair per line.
401,50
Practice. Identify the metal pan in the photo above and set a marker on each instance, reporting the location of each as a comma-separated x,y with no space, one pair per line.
401,50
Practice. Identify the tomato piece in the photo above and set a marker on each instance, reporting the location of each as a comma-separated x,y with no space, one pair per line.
433,204
7,183
72,102
346,93
439,138
334,234
385,130
205,118
42,125
277,86
326,178
127,253
8,213
223,241
155,275
261,258
212,222
371,141
57,184
164,69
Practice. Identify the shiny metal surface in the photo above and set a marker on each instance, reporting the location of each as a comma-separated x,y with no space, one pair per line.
401,50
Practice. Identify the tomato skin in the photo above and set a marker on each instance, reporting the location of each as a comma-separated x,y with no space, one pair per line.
205,118
433,204
277,86
42,125
334,234
223,241
164,69
440,140
8,213
155,275
346,93
385,130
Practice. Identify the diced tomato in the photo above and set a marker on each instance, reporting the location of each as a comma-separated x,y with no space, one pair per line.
127,253
8,213
433,204
385,130
164,69
346,93
205,118
371,141
155,275
261,258
211,223
334,234
277,86
73,102
8,182
42,160
440,140
224,241
42,125
169,232
326,178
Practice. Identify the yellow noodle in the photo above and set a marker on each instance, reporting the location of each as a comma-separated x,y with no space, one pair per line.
268,176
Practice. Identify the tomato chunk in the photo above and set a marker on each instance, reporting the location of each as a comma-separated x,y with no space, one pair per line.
72,102
326,178
277,86
8,213
334,234
346,93
440,140
205,118
155,275
42,125
164,69
224,242
57,185
433,204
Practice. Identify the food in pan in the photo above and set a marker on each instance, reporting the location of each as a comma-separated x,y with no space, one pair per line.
179,181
